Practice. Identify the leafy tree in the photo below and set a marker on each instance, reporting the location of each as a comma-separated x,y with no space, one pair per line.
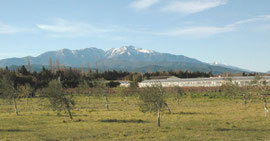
9,91
153,100
59,101
231,89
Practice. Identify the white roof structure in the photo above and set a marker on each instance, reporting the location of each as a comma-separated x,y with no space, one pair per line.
202,82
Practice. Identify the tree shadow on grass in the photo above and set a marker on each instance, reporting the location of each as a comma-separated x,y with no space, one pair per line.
239,129
123,121
13,130
192,113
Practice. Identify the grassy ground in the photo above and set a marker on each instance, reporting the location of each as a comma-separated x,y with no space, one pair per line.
193,119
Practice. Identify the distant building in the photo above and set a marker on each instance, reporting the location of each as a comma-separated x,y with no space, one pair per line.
201,82
124,83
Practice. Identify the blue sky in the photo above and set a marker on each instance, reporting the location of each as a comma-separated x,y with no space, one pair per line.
234,32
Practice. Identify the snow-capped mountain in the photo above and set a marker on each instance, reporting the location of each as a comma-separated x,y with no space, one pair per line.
125,58
128,51
228,66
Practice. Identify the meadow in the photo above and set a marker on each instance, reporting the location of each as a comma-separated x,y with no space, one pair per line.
196,117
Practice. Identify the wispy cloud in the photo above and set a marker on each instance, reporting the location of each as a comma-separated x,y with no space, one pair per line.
252,20
9,29
192,6
64,28
205,31
197,31
143,4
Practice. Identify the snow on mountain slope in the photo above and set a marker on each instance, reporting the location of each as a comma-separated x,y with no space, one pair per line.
228,66
127,50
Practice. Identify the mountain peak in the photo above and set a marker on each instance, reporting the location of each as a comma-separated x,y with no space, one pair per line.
127,47
127,51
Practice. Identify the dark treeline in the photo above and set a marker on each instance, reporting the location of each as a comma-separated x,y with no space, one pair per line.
180,74
69,77
72,77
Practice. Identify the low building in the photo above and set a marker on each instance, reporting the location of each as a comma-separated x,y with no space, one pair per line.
203,82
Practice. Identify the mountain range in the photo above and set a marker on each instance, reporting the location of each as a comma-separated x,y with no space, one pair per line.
125,58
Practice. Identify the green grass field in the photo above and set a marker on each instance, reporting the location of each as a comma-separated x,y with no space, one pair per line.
193,119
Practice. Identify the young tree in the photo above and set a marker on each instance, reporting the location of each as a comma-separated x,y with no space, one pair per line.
25,91
231,89
153,100
124,92
101,90
9,91
265,106
83,88
59,101
178,93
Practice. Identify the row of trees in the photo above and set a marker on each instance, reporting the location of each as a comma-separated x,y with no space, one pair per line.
153,99
16,85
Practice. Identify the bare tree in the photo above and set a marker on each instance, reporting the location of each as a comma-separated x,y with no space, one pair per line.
57,65
28,65
51,65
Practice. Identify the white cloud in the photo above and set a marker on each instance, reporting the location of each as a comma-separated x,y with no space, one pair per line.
199,31
64,28
9,29
143,4
192,6
252,20
205,31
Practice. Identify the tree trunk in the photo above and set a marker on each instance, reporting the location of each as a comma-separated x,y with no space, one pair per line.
107,103
158,113
27,100
177,97
245,100
69,113
168,107
265,106
126,100
15,106
88,99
